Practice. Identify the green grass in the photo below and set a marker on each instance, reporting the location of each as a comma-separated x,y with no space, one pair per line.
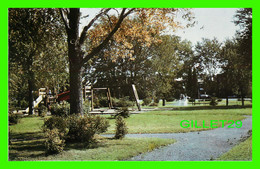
28,144
241,152
169,121
28,141
105,149
28,124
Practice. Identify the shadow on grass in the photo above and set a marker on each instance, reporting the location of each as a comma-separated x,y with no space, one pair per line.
26,136
31,146
97,143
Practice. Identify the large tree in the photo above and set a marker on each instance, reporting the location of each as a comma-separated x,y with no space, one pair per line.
208,63
33,34
121,27
165,65
243,19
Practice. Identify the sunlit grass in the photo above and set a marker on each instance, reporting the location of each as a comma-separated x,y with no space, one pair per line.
241,152
169,121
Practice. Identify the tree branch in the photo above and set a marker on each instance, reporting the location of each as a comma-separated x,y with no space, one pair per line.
64,20
99,47
131,10
85,29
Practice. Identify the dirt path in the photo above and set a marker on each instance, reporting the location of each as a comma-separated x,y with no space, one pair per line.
196,146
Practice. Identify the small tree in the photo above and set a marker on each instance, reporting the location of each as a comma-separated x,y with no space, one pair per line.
121,129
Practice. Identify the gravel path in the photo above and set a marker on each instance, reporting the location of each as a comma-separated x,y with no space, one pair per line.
196,146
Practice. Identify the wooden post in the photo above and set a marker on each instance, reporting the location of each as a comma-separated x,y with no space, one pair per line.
109,95
108,100
92,99
136,97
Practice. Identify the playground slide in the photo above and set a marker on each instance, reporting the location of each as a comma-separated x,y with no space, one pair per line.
35,103
64,96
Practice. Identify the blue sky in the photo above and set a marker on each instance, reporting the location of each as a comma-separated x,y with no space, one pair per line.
211,22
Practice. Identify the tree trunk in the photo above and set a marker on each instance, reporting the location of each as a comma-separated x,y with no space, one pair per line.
163,101
242,100
30,83
76,63
30,99
227,100
242,97
76,93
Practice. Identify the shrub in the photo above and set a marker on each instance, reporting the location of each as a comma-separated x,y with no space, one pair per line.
24,103
62,109
124,112
80,129
121,129
42,111
83,129
13,118
73,128
147,101
86,106
101,124
103,102
96,103
54,143
156,100
122,102
213,101
170,99
55,122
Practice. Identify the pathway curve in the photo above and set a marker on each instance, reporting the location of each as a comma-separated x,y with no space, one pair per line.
196,146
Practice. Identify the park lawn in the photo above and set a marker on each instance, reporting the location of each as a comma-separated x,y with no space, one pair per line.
169,121
28,144
106,149
202,103
28,140
241,152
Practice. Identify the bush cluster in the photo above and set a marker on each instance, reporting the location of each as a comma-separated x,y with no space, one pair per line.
83,129
13,118
156,100
146,101
86,106
121,129
103,102
61,109
42,110
54,142
124,112
122,102
170,99
72,128
213,101
56,122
